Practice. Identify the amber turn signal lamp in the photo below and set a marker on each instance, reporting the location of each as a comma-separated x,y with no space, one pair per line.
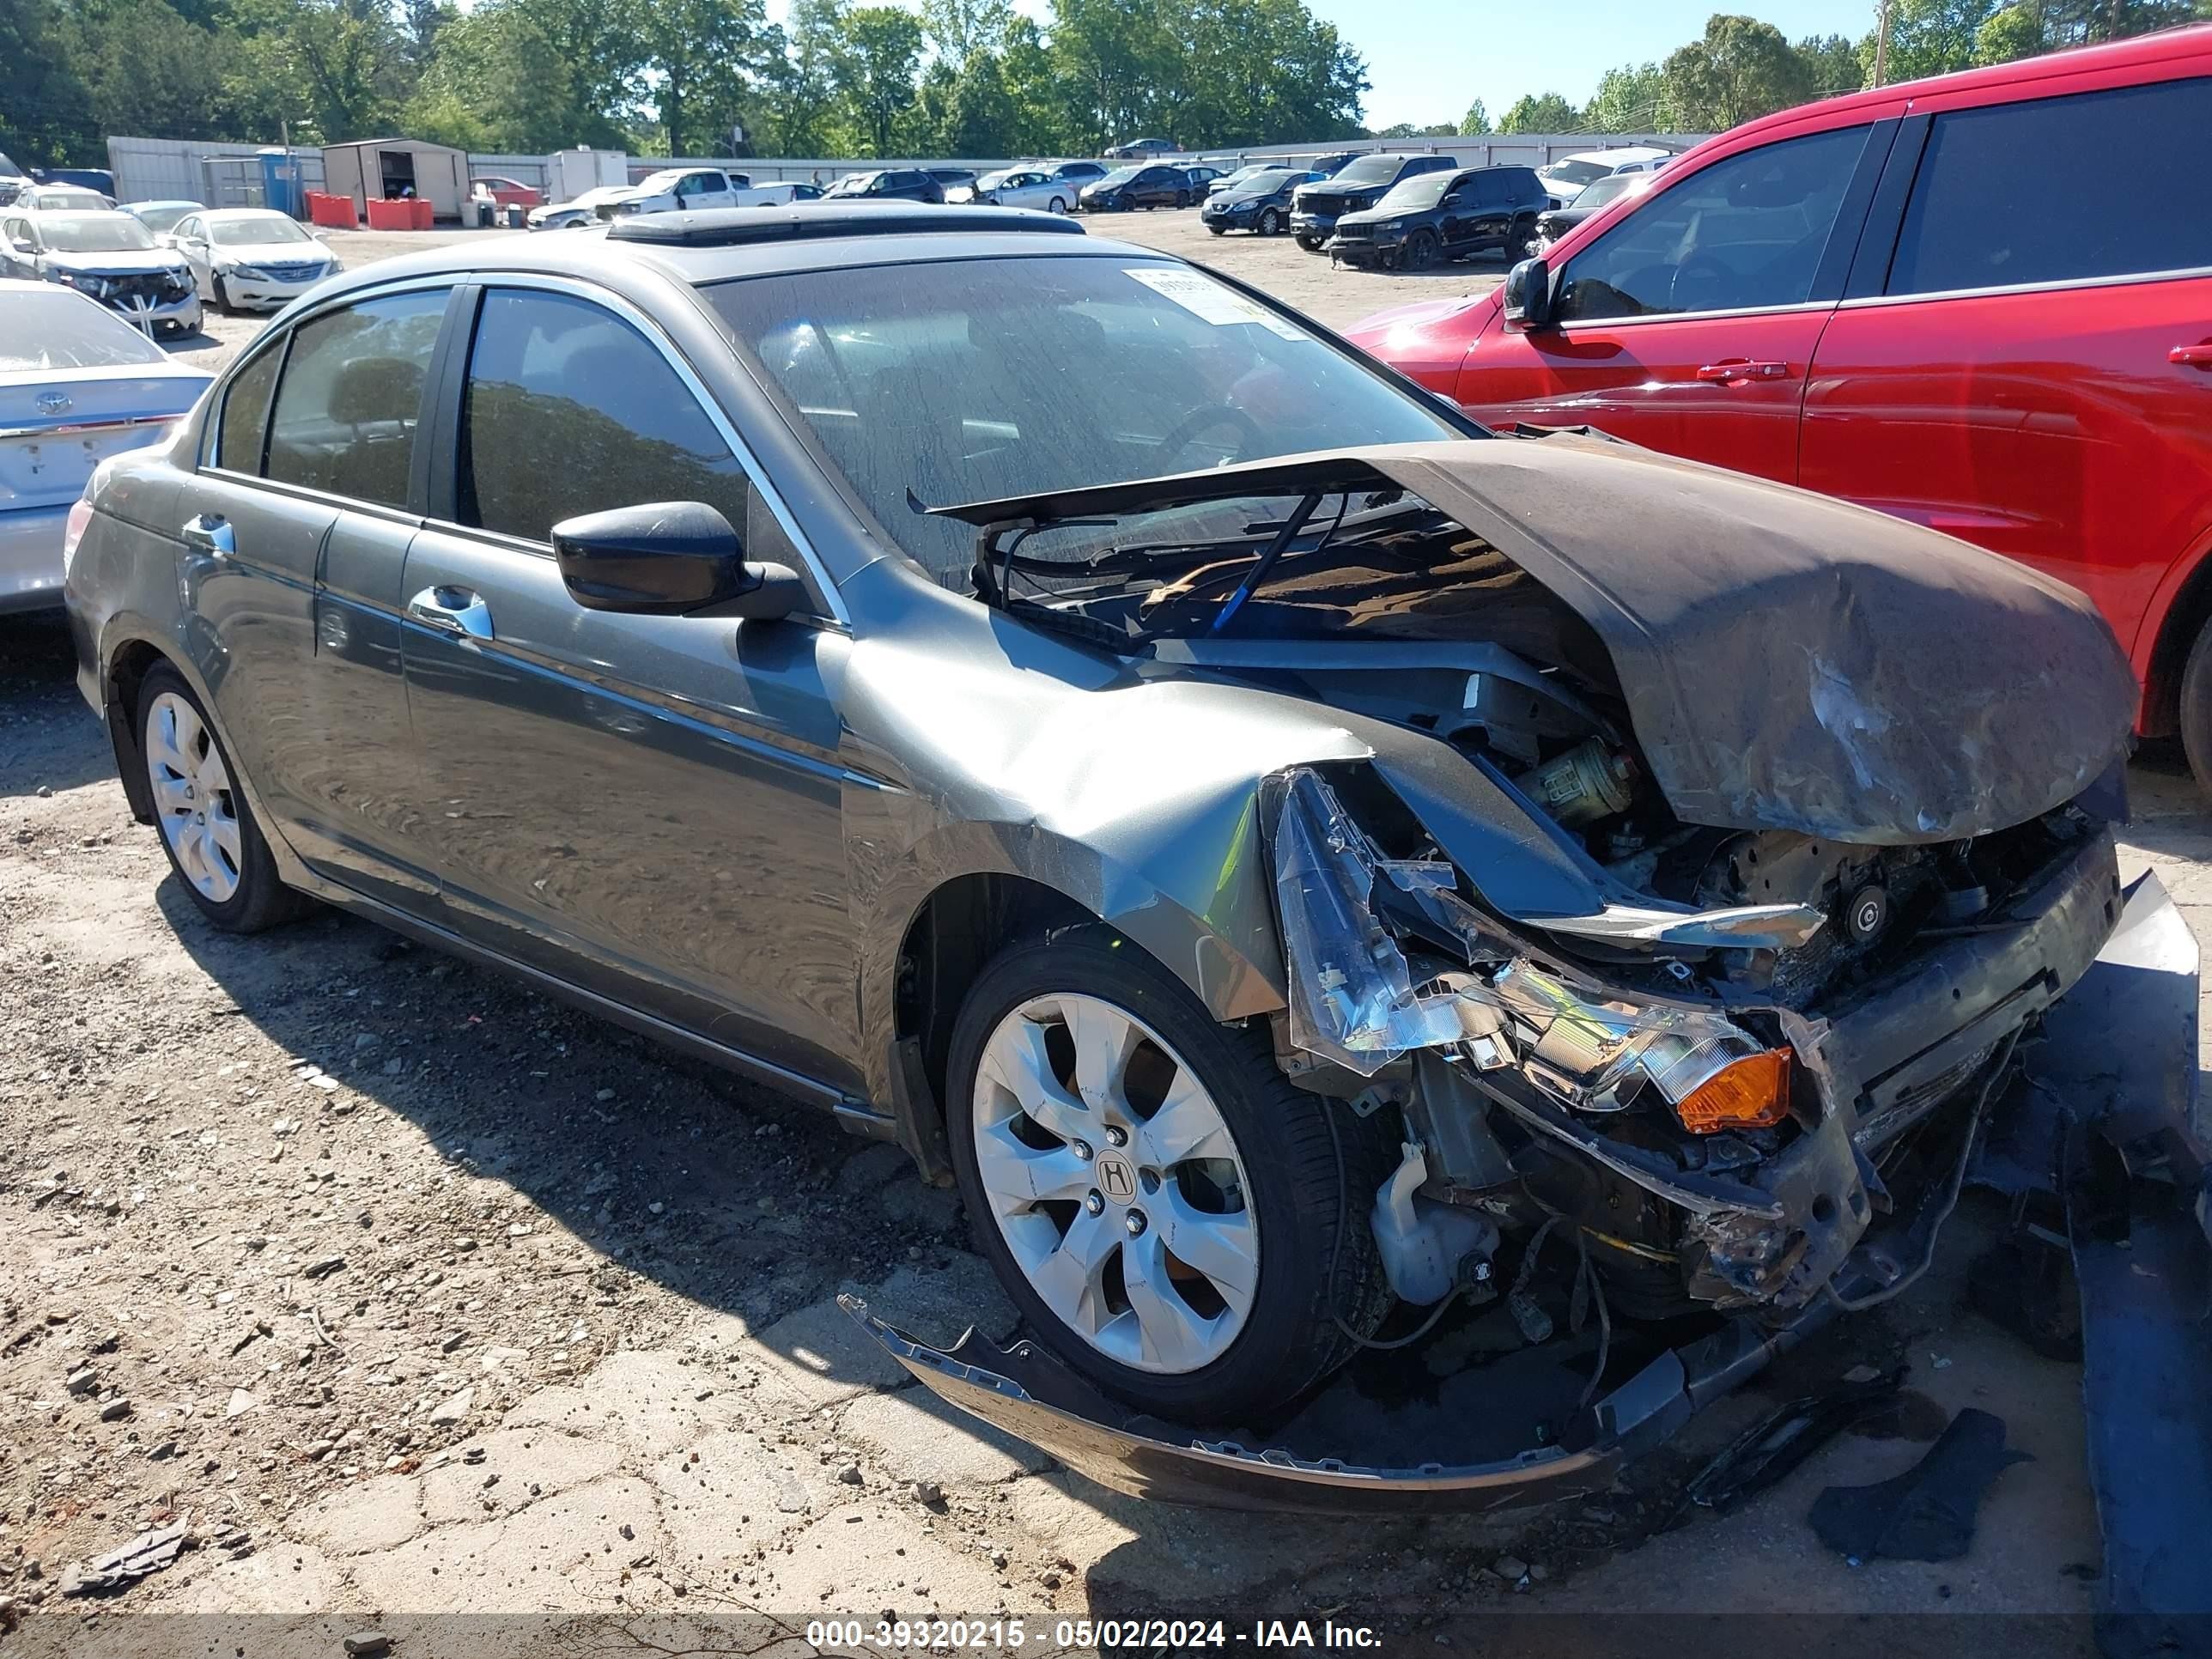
1750,1093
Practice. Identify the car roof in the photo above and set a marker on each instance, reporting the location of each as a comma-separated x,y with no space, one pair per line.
165,201
593,256
244,213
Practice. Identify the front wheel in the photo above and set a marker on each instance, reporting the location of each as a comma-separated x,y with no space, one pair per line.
1156,1197
1421,252
207,828
1310,243
1056,205
222,294
1271,222
1218,230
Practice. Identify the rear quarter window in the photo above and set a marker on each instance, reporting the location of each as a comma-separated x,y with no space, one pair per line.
2059,190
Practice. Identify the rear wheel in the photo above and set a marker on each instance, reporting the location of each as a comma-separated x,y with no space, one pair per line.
2196,709
1158,1198
207,829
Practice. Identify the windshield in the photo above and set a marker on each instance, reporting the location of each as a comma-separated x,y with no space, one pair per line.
1576,173
1370,170
1614,184
1120,175
853,184
163,217
653,184
1264,183
1423,191
258,231
56,329
93,233
924,377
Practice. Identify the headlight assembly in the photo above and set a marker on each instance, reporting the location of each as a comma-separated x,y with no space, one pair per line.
1356,999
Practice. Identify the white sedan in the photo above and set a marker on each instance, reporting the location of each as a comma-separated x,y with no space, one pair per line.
580,214
249,257
1022,187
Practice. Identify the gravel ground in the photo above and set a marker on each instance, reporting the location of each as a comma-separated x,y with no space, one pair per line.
404,1293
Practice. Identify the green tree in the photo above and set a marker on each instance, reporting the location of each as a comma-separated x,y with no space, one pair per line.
957,29
875,75
697,56
799,81
531,76
45,110
983,119
1927,37
1630,99
1740,69
1831,64
1475,122
146,71
2014,33
1547,112
1026,68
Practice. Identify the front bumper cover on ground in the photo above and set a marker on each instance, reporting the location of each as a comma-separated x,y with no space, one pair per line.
2104,1118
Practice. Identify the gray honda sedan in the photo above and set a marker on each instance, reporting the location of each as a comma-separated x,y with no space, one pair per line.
1297,861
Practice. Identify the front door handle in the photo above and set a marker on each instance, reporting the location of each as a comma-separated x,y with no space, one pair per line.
210,532
1733,371
2196,356
455,611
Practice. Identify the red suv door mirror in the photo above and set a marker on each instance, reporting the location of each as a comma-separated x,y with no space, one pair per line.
1529,295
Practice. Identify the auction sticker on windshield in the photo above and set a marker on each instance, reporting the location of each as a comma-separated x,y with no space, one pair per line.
1201,296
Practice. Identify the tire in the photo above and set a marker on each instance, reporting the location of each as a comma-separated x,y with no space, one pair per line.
1182,198
1308,245
1055,205
221,295
1420,251
2196,709
1218,230
1295,1277
1271,222
232,878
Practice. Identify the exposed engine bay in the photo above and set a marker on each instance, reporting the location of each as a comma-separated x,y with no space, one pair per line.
1708,881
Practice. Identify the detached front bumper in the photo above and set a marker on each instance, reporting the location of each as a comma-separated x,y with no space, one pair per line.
2103,1118
1313,227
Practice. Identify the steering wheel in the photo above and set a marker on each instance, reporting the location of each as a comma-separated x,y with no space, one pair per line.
1699,267
1204,420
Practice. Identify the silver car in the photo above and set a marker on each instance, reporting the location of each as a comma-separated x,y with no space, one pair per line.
106,256
1294,859
78,386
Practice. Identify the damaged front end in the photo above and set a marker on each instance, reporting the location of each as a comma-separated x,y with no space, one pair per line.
1729,872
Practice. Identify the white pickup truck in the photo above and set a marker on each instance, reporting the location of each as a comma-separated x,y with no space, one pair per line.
678,190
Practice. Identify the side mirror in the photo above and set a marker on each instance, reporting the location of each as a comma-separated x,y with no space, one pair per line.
1529,295
670,559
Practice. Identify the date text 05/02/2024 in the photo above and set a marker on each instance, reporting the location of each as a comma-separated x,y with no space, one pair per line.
1001,1634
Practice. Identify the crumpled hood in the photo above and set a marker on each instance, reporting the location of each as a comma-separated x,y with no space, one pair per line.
130,262
1788,661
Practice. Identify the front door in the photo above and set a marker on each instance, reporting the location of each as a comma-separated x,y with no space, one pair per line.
649,804
2032,369
1689,327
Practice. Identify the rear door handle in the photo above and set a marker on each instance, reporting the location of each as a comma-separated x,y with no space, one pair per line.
210,532
455,611
2196,356
1733,371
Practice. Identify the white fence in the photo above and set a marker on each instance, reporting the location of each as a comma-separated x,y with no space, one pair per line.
230,175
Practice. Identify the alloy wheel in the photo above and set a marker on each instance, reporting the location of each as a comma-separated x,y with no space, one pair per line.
1270,221
1115,1183
192,797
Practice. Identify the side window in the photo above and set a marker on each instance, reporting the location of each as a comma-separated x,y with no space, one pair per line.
352,390
1743,234
246,414
553,375
2033,193
189,230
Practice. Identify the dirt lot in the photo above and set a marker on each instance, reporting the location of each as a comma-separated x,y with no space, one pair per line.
411,1294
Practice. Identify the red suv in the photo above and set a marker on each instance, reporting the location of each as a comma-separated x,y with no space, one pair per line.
1982,302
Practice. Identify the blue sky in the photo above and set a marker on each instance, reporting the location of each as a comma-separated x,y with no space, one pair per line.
1429,59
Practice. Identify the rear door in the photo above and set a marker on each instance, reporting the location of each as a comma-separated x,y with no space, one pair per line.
650,806
294,545
2028,363
1689,325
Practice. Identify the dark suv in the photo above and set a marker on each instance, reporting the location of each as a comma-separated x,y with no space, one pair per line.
1361,183
1281,850
1431,217
893,184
